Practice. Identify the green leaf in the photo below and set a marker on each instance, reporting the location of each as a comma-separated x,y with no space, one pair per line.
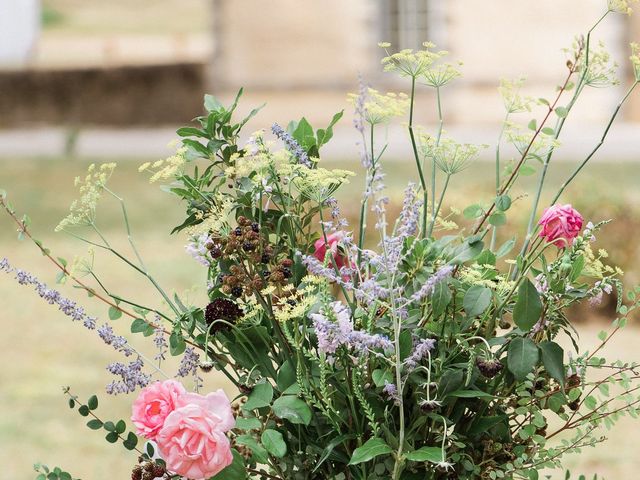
258,452
114,313
476,300
177,345
503,203
522,357
94,424
139,325
292,408
373,448
83,410
111,437
426,454
562,112
548,131
532,125
274,443
469,394
325,135
469,250
109,426
328,450
497,219
191,132
92,403
526,170
505,248
473,211
131,441
121,426
304,134
212,104
150,450
260,397
381,377
286,376
251,423
528,308
553,360
440,298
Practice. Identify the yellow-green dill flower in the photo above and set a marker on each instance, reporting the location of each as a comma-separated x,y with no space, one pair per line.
171,167
216,220
410,63
450,157
316,184
382,107
441,74
513,101
635,60
83,210
621,6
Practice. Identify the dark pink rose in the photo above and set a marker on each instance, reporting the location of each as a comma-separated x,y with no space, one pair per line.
154,403
332,243
560,224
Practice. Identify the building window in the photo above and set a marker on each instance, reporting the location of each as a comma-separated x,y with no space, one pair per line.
409,23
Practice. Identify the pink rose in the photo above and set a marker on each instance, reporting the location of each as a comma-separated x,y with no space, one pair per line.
560,224
215,402
333,241
192,441
154,403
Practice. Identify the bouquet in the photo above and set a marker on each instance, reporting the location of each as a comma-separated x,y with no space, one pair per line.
395,348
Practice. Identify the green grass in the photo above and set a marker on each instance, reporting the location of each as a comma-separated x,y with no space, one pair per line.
153,17
41,350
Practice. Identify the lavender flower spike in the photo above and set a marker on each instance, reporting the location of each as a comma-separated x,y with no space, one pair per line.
428,287
293,146
419,352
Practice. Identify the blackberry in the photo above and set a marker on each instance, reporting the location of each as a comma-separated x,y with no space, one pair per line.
237,291
238,232
266,274
286,272
216,252
136,473
265,258
245,389
222,309
489,368
248,246
159,470
255,227
291,302
575,405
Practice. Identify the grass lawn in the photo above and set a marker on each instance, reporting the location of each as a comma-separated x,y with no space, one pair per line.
41,350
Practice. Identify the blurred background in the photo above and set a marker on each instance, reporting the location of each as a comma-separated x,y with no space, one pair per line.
85,81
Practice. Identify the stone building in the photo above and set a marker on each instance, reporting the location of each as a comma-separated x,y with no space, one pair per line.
303,56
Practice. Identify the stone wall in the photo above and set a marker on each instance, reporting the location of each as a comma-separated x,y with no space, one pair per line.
141,95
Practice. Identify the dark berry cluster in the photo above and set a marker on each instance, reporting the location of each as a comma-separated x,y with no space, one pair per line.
222,309
489,368
148,471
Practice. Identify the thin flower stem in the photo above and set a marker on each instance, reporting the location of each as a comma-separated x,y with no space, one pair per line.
494,233
423,183
597,147
437,209
434,209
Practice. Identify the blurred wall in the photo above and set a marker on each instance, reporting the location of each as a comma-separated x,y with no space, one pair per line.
19,28
303,56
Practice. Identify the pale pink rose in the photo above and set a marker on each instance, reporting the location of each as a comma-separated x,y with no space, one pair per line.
154,403
560,224
193,444
332,242
215,402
